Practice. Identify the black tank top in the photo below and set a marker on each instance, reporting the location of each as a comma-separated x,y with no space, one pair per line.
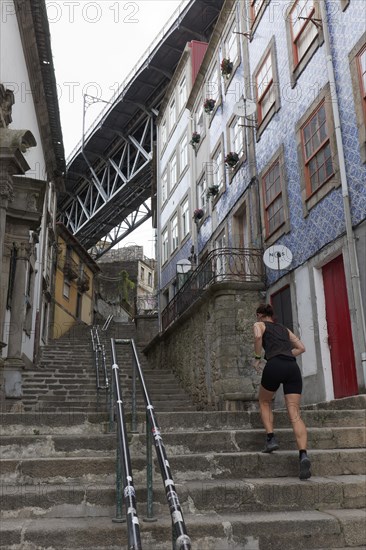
276,340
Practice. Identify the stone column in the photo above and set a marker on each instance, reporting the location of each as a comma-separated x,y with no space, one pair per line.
14,363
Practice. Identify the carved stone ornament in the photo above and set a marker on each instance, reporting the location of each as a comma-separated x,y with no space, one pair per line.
6,191
6,103
17,139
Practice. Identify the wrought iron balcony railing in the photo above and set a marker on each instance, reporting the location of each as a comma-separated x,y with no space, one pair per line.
83,282
69,267
221,265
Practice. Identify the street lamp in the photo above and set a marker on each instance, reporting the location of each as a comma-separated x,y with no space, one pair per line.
183,268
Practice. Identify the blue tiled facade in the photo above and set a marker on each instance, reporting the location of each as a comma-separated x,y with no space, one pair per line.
314,227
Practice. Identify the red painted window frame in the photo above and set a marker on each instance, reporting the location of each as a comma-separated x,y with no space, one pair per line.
266,90
266,206
307,160
253,15
294,38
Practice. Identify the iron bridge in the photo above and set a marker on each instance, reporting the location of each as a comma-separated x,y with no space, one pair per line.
110,181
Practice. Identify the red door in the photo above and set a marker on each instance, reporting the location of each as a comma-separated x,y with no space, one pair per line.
339,329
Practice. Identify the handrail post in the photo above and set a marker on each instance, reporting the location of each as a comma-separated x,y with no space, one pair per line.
149,475
119,518
134,419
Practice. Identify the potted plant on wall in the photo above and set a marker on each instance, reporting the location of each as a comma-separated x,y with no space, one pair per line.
231,159
198,214
226,67
196,138
212,191
209,105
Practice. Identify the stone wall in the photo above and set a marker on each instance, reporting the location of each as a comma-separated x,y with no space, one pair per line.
210,347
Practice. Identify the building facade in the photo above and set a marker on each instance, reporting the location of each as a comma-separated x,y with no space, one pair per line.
32,168
279,106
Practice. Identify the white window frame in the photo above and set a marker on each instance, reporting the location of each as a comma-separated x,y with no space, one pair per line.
172,114
164,186
183,153
236,129
185,220
164,245
174,232
202,191
173,171
218,172
164,133
182,93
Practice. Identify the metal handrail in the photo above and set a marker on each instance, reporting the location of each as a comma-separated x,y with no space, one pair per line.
221,265
181,540
99,359
107,322
129,493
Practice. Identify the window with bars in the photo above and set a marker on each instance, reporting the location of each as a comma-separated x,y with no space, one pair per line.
273,200
317,151
185,218
174,232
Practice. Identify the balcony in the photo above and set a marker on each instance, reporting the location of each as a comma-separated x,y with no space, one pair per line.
69,267
243,265
83,282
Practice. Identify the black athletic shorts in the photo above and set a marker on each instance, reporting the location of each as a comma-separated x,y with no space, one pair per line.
282,370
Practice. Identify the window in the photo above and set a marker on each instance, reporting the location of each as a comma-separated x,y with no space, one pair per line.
66,289
174,232
281,302
142,274
236,136
274,207
273,203
317,151
183,154
231,45
212,85
218,168
202,192
164,187
164,246
304,34
267,88
185,217
357,58
163,133
172,115
255,9
182,93
172,172
200,128
149,278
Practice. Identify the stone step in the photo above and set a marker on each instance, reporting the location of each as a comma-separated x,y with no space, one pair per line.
307,530
187,420
187,442
196,497
199,466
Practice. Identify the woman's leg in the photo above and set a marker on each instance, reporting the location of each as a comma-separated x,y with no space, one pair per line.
265,405
293,410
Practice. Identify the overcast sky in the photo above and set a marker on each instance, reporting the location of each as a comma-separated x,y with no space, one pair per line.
95,45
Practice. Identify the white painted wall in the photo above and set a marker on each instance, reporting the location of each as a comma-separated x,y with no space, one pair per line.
14,75
305,314
325,361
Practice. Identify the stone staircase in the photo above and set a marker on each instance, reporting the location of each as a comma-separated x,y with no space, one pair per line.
58,475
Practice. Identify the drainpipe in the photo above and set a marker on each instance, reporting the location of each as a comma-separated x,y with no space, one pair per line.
351,245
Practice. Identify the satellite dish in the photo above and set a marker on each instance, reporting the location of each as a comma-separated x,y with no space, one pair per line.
244,107
277,257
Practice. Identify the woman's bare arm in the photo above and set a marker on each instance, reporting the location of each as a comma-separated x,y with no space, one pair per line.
299,347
